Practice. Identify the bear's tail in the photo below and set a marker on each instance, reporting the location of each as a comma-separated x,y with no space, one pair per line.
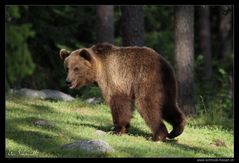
171,112
177,129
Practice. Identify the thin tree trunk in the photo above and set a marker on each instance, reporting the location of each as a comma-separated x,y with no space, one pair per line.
132,25
205,39
105,23
184,52
224,28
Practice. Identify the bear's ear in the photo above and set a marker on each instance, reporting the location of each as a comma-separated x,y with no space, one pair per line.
86,55
64,53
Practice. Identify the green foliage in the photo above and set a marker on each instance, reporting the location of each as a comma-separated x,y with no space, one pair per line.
73,27
90,91
12,12
159,27
215,113
56,27
19,62
162,42
214,97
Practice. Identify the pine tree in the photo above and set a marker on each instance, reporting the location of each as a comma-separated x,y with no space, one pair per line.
17,55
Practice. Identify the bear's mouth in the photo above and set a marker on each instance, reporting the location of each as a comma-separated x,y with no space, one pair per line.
72,85
75,84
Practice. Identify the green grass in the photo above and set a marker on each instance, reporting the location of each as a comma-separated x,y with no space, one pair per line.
77,120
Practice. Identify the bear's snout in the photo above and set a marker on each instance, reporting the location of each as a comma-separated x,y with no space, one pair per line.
68,82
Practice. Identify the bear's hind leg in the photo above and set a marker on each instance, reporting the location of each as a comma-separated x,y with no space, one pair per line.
160,133
121,113
150,112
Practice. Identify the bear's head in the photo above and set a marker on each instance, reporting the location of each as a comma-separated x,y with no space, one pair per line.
80,67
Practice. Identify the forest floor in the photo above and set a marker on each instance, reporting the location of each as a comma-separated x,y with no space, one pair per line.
77,120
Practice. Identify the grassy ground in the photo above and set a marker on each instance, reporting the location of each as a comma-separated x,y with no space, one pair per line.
77,120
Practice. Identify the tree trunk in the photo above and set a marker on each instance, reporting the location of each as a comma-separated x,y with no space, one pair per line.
184,52
224,28
205,39
105,23
132,25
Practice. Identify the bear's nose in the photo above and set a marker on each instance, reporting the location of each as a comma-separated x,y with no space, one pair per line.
68,82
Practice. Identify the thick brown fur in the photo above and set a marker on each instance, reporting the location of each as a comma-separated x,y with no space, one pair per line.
126,75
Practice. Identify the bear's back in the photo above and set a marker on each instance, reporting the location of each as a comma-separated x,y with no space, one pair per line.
131,56
125,67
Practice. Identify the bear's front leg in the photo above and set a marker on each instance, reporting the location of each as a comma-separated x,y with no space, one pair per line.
120,129
120,106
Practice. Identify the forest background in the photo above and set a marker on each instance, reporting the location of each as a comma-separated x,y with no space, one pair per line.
35,34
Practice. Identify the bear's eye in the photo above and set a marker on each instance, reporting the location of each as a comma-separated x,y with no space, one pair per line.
76,69
67,69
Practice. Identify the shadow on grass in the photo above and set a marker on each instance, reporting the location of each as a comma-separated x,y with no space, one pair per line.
41,108
185,147
137,152
48,140
169,152
134,131
105,128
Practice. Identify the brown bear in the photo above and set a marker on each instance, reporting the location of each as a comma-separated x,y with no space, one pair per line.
126,75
